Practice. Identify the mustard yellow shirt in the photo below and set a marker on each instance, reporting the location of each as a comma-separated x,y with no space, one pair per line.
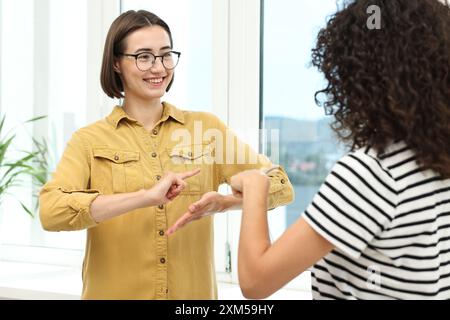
129,256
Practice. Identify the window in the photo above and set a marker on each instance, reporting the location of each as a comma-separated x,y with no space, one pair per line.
191,25
17,67
305,145
269,81
50,55
269,51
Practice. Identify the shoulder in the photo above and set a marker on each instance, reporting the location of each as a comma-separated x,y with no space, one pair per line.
366,167
189,117
95,127
93,131
201,116
381,164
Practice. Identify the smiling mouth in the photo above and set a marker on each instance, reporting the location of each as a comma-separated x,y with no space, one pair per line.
154,81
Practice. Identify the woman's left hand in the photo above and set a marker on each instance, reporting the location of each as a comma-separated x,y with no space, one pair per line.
210,203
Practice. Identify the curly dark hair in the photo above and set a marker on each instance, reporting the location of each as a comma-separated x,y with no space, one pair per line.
392,83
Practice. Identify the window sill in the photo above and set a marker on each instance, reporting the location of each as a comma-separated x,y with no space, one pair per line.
28,281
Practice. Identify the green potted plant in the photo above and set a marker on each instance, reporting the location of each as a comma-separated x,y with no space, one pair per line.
31,164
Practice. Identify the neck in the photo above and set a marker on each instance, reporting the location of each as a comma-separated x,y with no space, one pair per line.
147,112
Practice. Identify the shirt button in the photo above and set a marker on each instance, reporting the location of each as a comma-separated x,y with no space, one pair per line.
161,206
283,181
162,260
158,178
189,154
116,157
154,155
161,232
155,132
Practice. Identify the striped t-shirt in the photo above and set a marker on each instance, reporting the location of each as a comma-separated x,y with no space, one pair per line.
389,221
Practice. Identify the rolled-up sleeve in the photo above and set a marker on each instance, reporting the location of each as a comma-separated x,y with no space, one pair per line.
281,192
241,157
65,200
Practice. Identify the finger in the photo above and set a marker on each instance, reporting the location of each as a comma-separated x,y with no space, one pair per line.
188,220
196,208
181,184
172,188
171,230
236,193
192,208
173,194
170,194
198,205
188,174
179,223
176,188
175,226
183,219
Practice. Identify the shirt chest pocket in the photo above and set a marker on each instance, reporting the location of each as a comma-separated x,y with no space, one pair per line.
189,157
117,171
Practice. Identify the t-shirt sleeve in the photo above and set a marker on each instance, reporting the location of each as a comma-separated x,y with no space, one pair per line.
354,204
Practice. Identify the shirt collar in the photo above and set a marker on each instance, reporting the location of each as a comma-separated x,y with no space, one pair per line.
172,112
169,111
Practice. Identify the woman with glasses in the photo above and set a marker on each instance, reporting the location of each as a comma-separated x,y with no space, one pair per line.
379,227
130,176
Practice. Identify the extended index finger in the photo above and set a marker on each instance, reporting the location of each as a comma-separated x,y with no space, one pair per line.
188,174
179,223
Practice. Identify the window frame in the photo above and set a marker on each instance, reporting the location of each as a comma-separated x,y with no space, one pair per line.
245,104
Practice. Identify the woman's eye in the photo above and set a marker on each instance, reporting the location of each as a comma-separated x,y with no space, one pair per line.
144,57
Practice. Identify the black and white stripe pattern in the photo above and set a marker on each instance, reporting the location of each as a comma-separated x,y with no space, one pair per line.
389,220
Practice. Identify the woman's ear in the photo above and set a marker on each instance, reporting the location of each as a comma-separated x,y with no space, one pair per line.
117,67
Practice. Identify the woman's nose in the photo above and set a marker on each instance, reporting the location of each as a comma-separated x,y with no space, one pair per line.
158,65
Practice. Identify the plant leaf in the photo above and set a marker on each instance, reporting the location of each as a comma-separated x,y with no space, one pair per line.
36,119
27,210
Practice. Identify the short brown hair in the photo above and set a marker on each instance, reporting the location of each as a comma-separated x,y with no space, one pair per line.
124,25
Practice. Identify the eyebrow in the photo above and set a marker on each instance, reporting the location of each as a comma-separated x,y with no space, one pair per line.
151,50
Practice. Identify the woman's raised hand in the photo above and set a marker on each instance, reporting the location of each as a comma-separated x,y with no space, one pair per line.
169,187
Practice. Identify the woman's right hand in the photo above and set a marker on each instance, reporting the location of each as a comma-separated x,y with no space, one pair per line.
169,187
255,177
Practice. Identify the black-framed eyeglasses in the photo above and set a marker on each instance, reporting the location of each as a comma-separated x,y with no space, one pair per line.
146,60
